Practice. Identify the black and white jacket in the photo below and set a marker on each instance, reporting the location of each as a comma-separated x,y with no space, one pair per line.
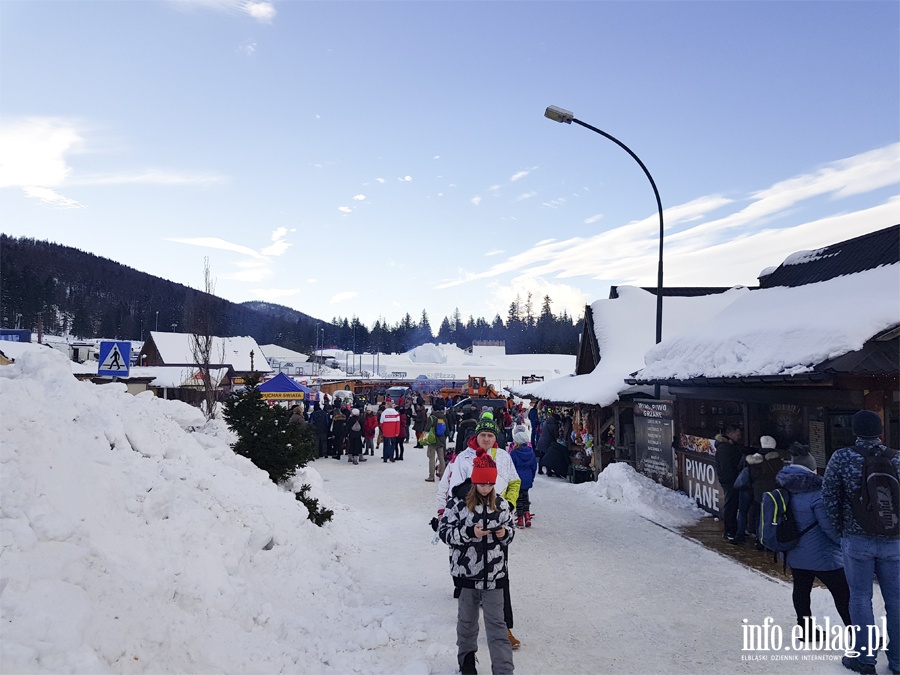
477,563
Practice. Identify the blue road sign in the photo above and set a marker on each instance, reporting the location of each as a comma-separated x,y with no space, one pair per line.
114,359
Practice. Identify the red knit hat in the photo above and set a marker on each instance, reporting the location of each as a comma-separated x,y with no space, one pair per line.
484,470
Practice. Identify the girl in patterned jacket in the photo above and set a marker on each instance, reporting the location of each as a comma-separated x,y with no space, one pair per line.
478,528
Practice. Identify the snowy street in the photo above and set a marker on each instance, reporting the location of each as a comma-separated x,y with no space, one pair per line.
134,540
596,588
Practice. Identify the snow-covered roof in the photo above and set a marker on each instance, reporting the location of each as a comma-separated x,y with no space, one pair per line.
626,328
175,348
783,330
283,354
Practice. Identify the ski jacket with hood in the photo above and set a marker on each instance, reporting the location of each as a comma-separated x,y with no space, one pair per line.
820,548
508,481
843,483
477,563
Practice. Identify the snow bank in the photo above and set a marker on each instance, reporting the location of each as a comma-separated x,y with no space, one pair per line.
135,541
620,484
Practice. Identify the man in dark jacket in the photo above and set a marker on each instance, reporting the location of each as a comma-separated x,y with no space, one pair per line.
729,456
466,428
866,555
319,420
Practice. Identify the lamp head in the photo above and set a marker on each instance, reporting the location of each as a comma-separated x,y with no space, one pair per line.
559,114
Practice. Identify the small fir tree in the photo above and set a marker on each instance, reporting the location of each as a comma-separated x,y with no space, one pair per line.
264,435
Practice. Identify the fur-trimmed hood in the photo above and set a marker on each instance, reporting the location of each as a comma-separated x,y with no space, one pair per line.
757,458
797,478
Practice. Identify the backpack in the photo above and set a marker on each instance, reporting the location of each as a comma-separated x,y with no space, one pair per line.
356,428
777,526
440,427
877,509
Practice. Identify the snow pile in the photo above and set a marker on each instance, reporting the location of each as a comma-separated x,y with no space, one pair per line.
134,540
619,483
430,353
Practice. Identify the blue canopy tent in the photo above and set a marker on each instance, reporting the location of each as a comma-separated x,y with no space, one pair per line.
283,388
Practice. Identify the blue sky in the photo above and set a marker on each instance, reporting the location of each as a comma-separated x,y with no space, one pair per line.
377,158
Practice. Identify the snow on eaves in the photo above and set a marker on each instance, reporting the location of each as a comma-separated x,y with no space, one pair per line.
783,330
626,328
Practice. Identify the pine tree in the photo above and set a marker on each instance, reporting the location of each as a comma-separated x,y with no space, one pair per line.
264,435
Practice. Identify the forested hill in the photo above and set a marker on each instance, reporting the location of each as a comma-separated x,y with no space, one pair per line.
89,296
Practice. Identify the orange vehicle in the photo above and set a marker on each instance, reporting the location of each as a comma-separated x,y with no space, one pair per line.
476,387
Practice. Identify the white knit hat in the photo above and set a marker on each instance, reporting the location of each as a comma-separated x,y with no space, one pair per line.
768,442
521,435
355,411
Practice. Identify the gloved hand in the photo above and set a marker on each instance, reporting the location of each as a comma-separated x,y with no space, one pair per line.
434,524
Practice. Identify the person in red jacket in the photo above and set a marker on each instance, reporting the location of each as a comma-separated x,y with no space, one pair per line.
370,425
390,430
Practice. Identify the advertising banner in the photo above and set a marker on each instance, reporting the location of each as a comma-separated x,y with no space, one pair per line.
654,429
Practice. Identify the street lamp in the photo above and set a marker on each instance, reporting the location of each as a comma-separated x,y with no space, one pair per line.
564,116
157,321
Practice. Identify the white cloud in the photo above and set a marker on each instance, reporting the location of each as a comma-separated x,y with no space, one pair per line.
497,252
405,179
248,48
33,156
345,209
493,188
279,245
217,243
475,201
50,197
593,219
343,297
359,198
261,11
518,176
33,151
380,180
524,196
628,254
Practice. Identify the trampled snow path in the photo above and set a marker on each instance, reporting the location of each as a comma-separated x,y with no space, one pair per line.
595,587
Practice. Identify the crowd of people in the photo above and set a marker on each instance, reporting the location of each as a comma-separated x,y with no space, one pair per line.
845,527
485,463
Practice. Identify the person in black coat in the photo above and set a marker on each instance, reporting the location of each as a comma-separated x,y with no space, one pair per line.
729,461
549,432
547,442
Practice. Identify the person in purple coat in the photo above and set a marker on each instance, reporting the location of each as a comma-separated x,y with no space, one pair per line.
525,461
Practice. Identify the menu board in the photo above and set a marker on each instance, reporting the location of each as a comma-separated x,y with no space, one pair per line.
654,428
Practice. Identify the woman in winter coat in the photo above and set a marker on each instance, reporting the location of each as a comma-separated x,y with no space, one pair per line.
762,470
355,432
478,529
419,421
818,553
549,434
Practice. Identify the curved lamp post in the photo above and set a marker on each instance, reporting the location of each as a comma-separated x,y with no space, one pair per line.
561,115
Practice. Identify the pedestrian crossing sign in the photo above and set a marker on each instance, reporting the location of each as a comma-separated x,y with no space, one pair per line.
114,359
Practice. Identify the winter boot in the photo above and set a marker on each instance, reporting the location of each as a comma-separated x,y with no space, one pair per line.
355,460
527,519
520,521
467,664
513,642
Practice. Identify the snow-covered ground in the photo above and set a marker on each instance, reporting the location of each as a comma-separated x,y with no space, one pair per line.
135,541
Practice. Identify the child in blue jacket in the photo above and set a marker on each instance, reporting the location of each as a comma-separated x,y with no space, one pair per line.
525,461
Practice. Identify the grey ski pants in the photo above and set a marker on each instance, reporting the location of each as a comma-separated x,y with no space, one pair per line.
491,603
